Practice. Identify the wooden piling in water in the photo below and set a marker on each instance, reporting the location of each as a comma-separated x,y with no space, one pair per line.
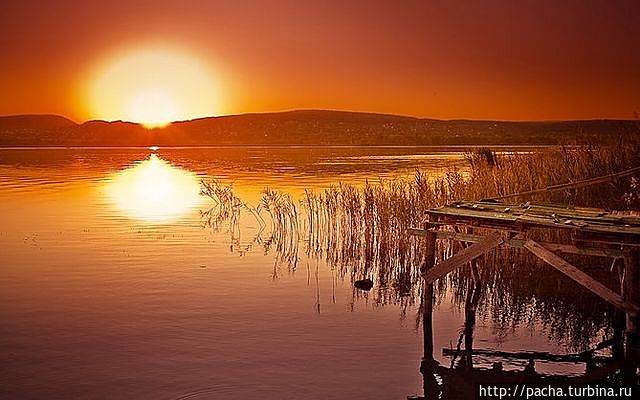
430,385
427,299
631,293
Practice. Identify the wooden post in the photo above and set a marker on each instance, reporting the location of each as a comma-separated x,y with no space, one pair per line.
470,306
618,326
631,293
430,385
427,300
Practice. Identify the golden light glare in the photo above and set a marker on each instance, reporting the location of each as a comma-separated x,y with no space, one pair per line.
154,191
154,88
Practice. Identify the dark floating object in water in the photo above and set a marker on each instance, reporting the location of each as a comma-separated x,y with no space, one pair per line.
364,284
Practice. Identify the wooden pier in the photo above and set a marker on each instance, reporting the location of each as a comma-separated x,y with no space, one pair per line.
487,225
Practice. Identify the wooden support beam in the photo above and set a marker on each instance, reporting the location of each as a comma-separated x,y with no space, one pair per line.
519,244
580,277
464,256
430,237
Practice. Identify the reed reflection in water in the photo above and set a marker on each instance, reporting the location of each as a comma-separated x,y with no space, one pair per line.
360,232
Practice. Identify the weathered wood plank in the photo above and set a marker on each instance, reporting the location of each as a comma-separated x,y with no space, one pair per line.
547,209
475,221
580,277
510,216
519,243
537,219
464,256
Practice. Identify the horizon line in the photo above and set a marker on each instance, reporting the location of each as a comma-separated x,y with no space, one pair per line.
321,110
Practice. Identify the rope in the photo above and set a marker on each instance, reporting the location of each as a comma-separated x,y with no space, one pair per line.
573,185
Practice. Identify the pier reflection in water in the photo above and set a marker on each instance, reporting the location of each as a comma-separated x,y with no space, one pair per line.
465,367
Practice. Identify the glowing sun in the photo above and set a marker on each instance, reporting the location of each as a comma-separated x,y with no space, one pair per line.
154,88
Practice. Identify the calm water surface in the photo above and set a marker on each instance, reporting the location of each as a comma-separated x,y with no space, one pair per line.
112,288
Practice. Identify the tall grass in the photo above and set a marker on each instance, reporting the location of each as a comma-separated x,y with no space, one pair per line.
360,231
493,176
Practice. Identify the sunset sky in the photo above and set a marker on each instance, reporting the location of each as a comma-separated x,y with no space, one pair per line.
490,59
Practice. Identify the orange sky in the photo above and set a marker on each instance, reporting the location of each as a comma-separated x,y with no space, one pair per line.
443,59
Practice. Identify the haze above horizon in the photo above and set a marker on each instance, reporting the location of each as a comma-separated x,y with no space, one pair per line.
162,61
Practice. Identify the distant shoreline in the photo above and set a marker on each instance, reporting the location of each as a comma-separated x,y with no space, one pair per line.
308,128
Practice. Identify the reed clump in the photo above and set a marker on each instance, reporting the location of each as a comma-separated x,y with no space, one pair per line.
500,175
360,231
365,230
285,229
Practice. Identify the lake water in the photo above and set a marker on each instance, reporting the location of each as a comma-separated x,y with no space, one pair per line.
113,286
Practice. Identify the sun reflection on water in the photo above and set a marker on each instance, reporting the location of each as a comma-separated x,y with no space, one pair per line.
153,190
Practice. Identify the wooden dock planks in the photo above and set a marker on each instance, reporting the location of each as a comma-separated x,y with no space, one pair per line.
498,215
594,232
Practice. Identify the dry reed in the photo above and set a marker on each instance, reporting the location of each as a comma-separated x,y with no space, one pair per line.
361,231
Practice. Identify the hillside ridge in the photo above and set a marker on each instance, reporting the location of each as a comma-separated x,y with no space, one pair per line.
307,127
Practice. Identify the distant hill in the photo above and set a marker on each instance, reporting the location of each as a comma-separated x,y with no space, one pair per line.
34,121
307,127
